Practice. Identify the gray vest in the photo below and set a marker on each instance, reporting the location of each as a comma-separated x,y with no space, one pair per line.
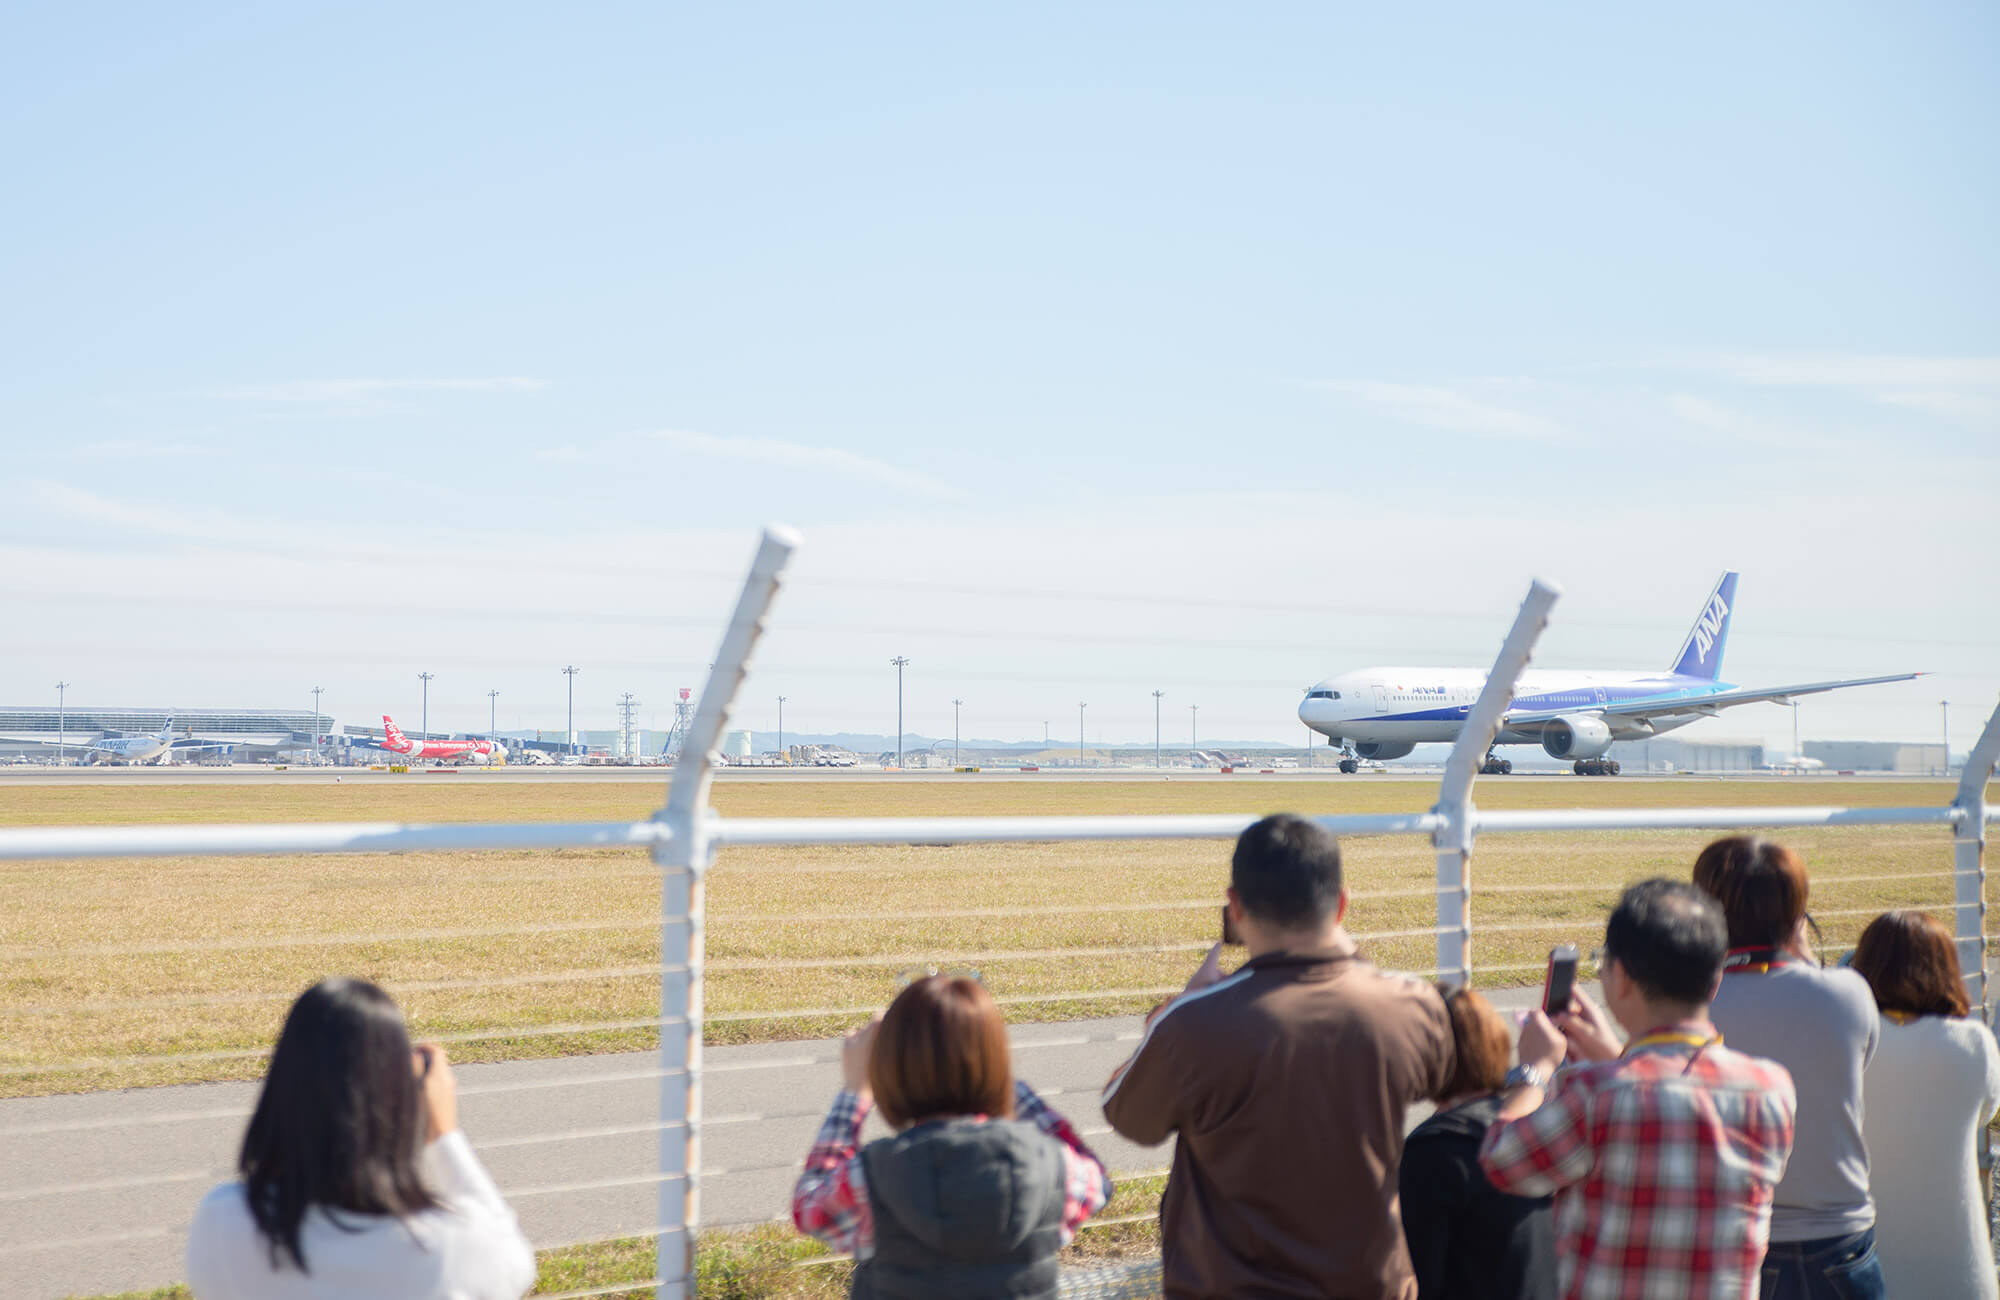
964,1210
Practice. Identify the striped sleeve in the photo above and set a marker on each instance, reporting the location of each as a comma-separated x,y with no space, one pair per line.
1086,1183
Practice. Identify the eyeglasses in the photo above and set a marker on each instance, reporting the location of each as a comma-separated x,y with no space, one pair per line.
908,977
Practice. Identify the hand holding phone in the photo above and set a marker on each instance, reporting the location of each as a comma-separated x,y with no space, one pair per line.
1560,983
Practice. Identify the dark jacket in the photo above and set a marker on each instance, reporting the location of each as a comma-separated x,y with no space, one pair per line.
965,1208
1469,1240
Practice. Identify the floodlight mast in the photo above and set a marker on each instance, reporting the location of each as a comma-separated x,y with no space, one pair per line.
955,705
317,692
1156,729
62,728
570,671
1080,706
901,662
426,730
782,751
493,714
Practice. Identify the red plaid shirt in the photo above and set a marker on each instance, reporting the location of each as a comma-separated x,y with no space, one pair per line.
1665,1161
830,1202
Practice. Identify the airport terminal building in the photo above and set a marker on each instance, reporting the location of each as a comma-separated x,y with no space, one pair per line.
39,734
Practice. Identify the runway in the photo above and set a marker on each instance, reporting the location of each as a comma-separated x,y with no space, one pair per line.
572,1142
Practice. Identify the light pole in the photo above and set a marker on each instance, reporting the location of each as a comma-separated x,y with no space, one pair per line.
570,672
1045,733
62,730
492,715
1944,708
1194,716
1079,732
317,692
1156,729
781,728
1797,754
901,663
954,731
426,732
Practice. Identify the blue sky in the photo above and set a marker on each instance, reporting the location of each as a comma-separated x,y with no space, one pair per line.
349,342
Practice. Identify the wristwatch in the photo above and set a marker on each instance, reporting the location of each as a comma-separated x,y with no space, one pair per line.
1524,1075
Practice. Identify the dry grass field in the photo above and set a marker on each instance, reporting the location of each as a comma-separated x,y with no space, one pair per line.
106,965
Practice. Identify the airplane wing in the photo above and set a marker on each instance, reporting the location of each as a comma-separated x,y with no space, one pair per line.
1696,705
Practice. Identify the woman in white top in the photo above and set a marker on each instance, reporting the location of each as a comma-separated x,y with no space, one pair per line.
1934,1083
356,1181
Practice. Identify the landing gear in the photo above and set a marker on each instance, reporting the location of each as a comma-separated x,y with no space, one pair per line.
1349,764
1496,766
1596,767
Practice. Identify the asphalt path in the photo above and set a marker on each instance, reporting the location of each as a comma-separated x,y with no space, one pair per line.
91,1202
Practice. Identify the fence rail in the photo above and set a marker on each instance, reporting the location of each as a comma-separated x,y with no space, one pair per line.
684,836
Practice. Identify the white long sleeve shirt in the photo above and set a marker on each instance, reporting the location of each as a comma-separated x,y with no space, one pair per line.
1932,1086
469,1249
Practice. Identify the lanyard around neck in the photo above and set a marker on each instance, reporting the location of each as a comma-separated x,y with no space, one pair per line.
1674,1038
1755,961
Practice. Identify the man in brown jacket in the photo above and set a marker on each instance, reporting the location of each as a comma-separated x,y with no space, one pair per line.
1286,1084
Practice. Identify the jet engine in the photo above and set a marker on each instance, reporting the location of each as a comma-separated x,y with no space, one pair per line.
1384,748
1583,736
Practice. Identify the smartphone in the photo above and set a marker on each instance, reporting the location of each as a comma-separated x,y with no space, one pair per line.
1229,935
1561,981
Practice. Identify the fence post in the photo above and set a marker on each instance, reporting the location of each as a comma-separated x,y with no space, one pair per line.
684,856
1968,855
1453,839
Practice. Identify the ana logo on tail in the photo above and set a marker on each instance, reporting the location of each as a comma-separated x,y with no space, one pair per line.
1709,626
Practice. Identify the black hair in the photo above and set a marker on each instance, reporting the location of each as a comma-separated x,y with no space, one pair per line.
341,1120
1286,872
1670,939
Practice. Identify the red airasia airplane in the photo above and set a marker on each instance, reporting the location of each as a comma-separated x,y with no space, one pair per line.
463,751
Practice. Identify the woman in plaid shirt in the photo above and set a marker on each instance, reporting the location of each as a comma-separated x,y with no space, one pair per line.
982,1184
1663,1155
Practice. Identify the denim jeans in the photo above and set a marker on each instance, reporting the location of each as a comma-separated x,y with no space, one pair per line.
1831,1268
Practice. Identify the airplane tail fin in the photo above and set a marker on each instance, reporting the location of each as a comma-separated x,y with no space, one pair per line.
390,731
167,732
1701,653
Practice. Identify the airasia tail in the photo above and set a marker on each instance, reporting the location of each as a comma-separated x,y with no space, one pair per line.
458,751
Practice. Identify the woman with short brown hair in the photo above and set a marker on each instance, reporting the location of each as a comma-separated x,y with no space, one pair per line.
1934,1084
981,1185
1776,1001
1467,1238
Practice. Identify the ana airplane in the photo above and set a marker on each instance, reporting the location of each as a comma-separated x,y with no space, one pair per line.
131,749
1378,713
460,751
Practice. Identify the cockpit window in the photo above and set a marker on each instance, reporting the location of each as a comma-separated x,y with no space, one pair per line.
1322,695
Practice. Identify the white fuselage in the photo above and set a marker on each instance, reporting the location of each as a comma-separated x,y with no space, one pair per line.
1428,705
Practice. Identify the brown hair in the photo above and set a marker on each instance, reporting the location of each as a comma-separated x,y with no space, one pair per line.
941,1050
1911,963
1761,885
1483,1045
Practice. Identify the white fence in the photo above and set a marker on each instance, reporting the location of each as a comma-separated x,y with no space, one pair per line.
685,835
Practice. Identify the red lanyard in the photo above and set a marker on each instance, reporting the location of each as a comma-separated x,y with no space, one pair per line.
1754,961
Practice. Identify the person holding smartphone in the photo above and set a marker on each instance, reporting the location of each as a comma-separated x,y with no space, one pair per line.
356,1181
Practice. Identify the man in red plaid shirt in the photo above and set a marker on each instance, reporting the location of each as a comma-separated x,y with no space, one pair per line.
1664,1155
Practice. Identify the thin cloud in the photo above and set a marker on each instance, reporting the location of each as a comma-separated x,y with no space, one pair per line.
1451,409
123,449
361,390
798,455
1834,370
1972,408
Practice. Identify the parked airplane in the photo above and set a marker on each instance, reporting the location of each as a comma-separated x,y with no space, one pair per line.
461,751
1378,713
131,749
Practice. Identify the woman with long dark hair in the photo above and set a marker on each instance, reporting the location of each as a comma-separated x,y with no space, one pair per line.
1467,1238
356,1180
1934,1084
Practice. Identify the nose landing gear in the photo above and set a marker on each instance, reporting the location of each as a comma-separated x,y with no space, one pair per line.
1596,767
1349,762
1496,766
